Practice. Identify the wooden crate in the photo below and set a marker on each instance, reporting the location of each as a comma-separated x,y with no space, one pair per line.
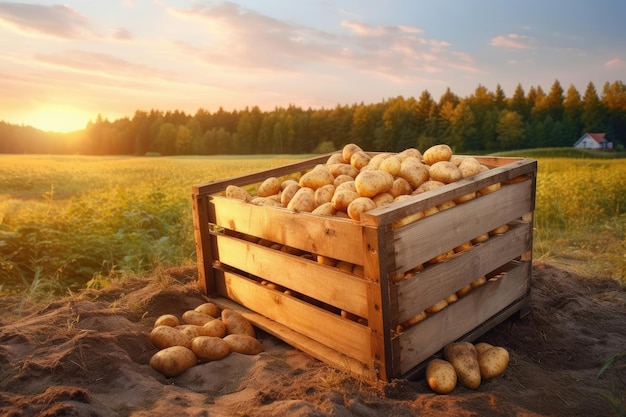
350,320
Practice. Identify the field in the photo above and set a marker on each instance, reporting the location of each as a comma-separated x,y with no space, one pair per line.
70,222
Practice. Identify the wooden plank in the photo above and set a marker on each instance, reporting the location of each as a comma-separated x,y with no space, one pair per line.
256,177
202,238
328,236
334,331
440,280
330,285
392,212
300,342
418,242
424,339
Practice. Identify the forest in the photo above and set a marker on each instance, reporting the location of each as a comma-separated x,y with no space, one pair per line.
485,121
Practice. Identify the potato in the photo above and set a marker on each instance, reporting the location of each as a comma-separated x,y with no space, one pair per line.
415,319
173,361
343,169
480,238
215,328
167,320
410,153
360,205
165,336
437,307
342,199
479,282
440,376
376,160
234,191
463,247
210,348
465,197
359,160
445,171
436,154
210,309
191,330
493,362
269,186
414,172
490,188
400,187
499,230
236,323
427,186
325,209
464,291
383,199
336,158
287,183
370,183
303,200
344,266
482,347
469,167
288,192
325,260
340,179
245,344
347,185
452,298
462,356
348,150
391,165
196,317
316,178
324,194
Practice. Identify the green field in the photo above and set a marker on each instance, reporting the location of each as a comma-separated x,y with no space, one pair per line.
70,222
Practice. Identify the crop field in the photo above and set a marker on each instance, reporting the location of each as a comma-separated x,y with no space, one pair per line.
70,222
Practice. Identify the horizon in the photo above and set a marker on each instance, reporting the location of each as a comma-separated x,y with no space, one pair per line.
63,65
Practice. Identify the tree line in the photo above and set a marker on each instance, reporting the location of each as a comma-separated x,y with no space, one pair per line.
485,121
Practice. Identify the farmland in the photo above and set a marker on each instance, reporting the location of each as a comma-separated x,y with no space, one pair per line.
70,222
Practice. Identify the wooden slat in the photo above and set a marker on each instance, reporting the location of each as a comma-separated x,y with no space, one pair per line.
330,285
424,239
204,257
392,212
328,236
440,280
331,330
424,339
299,341
256,177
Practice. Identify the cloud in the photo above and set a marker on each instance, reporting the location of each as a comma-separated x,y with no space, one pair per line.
244,39
512,41
58,21
616,63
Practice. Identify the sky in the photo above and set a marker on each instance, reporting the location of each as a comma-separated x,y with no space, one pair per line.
64,63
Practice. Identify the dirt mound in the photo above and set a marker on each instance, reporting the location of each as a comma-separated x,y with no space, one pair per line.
88,355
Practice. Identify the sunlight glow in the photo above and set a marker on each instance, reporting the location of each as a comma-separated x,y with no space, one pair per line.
60,119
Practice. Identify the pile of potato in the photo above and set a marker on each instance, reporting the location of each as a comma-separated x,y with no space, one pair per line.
353,182
205,334
466,363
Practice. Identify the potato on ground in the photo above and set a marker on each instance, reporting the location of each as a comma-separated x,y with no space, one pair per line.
210,309
482,347
441,376
165,336
242,343
215,328
196,317
210,348
173,360
167,320
493,362
236,323
462,356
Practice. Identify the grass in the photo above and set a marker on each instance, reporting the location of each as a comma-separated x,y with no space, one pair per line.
73,222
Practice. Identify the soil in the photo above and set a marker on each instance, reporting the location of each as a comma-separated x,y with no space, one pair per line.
87,355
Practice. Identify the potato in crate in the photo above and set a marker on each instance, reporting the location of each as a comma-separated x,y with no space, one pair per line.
371,262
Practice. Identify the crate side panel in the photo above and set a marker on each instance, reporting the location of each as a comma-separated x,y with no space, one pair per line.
335,238
320,282
424,239
446,326
427,287
331,330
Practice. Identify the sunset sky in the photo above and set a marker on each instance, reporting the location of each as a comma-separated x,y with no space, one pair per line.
63,63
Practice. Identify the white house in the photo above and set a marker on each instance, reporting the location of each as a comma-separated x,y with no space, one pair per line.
593,141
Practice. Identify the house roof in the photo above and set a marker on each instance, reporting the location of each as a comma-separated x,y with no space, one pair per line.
598,137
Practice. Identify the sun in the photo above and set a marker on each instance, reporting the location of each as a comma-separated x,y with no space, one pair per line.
60,119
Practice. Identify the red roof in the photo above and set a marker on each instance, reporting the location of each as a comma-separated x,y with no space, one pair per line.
598,137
